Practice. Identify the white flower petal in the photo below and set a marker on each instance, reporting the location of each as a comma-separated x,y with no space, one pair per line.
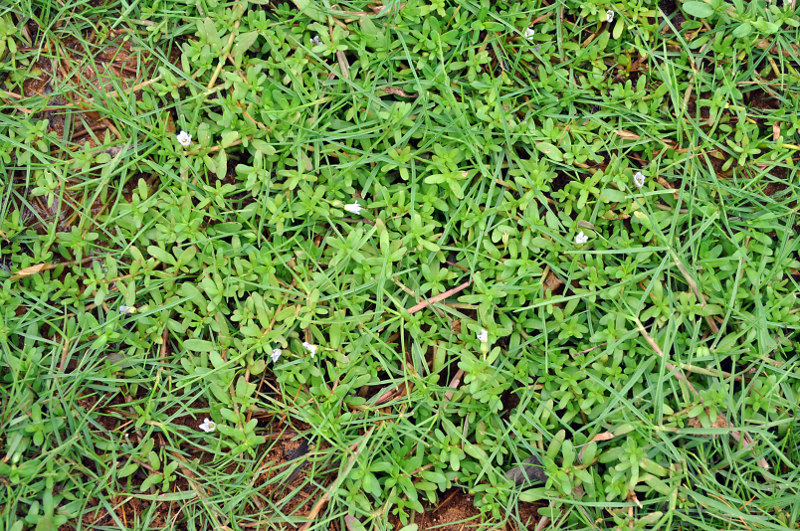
483,335
610,16
529,33
353,208
581,238
638,179
311,348
208,425
276,354
184,138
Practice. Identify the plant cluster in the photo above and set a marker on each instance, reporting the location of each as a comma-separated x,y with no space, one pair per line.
252,237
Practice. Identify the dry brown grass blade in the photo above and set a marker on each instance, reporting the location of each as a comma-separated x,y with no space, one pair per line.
398,92
454,385
343,64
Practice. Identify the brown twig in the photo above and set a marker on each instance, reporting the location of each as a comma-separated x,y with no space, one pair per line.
411,292
223,59
440,297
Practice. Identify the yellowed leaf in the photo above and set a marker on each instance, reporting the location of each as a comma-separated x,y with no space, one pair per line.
604,436
30,270
552,282
627,135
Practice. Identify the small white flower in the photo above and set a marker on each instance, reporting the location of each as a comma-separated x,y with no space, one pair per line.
529,33
184,138
581,238
311,348
208,425
276,354
638,178
315,40
353,208
126,309
483,335
610,16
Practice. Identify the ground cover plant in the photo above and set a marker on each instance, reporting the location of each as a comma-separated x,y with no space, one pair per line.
423,265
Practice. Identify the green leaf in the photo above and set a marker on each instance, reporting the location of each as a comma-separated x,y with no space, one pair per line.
155,462
567,453
257,367
198,345
244,389
550,150
623,429
367,26
617,31
210,32
151,480
698,9
161,255
308,8
533,495
263,147
244,42
742,31
435,477
229,415
555,444
127,470
216,360
589,453
222,164
436,178
610,195
228,138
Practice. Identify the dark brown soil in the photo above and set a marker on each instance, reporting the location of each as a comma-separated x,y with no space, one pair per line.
288,457
529,515
126,509
68,72
456,512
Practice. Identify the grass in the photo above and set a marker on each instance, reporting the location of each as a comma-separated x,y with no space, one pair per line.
645,378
